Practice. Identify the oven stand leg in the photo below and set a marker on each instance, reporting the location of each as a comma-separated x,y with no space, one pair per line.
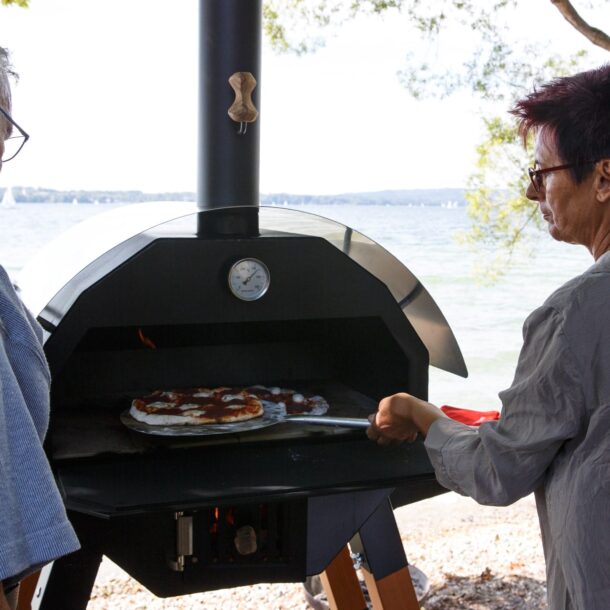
69,583
341,583
27,591
384,563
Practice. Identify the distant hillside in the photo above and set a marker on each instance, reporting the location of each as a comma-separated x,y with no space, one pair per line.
27,194
427,197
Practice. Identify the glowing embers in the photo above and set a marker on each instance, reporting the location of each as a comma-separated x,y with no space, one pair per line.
246,533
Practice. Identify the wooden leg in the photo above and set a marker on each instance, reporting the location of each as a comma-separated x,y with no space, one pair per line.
341,584
394,591
27,590
384,563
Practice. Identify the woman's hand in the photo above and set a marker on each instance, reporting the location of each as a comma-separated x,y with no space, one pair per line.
402,417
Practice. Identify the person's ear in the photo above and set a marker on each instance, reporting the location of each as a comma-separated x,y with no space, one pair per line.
602,193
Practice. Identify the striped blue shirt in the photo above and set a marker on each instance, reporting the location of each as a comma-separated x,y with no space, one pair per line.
34,529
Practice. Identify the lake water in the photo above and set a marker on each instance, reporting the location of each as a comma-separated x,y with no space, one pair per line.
486,319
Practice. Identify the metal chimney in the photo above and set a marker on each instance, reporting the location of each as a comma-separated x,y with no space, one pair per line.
229,149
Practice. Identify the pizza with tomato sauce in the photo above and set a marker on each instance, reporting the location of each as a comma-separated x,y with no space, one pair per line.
196,406
223,405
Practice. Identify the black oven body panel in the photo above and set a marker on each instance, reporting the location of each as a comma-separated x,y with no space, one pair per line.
177,284
295,538
242,473
146,547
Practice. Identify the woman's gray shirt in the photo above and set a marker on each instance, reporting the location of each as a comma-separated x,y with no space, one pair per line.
553,438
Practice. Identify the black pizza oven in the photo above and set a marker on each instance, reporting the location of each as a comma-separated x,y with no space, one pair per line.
156,309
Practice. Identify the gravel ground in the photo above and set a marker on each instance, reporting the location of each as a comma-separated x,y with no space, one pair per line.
476,558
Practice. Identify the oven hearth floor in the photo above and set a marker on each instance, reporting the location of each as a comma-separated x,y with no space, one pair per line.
95,429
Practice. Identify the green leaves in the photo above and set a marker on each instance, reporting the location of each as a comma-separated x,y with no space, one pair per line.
500,69
501,216
22,3
503,220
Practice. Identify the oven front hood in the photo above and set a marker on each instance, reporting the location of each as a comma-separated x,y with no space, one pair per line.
83,255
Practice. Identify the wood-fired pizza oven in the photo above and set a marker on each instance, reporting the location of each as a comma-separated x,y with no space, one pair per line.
341,317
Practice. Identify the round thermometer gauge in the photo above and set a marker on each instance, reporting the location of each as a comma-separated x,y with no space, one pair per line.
249,279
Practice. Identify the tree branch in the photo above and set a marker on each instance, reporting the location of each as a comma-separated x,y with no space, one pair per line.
596,36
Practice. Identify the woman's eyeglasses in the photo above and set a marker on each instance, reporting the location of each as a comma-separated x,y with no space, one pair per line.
14,143
537,175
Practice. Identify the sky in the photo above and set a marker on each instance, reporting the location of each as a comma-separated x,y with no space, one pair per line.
108,92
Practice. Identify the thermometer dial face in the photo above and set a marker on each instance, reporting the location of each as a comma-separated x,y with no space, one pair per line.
249,279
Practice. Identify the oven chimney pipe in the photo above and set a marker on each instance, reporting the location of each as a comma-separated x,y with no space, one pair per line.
230,34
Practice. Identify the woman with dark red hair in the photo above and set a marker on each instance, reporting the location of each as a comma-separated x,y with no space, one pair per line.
553,437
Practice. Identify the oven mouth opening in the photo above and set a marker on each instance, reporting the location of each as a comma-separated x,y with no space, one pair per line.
360,353
173,336
347,361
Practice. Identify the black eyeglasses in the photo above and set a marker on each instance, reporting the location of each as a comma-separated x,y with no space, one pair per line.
14,143
537,174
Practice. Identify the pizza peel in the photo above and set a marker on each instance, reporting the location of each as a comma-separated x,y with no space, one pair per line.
323,420
273,414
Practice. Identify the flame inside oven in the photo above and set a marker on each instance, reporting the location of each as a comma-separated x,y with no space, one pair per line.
146,341
214,524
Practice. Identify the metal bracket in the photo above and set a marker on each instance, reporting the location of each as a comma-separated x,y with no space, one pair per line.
184,540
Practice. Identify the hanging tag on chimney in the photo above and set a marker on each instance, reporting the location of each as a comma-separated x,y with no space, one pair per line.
243,110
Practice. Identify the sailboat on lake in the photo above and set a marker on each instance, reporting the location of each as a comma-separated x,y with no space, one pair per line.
8,200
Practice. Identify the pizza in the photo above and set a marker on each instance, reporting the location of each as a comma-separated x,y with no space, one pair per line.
222,405
196,406
293,402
